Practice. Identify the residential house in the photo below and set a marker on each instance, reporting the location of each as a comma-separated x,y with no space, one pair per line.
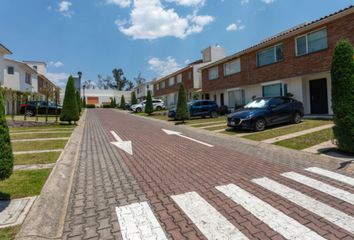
142,89
100,97
166,87
3,51
295,62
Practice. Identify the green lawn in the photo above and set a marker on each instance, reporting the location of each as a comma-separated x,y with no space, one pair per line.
275,132
9,233
216,121
23,184
38,145
36,158
39,135
211,128
308,140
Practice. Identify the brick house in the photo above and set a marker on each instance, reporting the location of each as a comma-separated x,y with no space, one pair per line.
166,87
295,62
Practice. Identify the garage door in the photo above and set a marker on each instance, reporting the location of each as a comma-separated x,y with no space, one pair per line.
92,100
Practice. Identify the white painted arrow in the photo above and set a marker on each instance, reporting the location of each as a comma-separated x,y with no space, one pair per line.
170,132
124,145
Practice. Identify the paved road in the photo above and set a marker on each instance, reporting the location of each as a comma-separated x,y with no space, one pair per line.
176,188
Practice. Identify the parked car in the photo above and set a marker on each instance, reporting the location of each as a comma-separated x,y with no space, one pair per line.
158,105
199,108
267,111
53,109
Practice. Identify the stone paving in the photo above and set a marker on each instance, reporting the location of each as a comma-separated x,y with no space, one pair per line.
165,170
13,212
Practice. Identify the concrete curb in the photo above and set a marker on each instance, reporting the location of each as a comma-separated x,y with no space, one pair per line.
314,159
46,218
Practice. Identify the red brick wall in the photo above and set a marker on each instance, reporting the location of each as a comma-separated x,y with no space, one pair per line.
291,66
188,83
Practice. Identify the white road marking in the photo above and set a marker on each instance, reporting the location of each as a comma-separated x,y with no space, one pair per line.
124,145
275,219
327,212
209,221
320,186
170,132
137,222
116,137
333,175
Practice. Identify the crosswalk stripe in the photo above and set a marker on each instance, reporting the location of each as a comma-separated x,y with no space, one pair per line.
323,187
137,222
275,219
329,213
208,220
332,175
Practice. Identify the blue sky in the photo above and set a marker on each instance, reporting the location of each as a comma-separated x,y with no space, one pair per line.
148,36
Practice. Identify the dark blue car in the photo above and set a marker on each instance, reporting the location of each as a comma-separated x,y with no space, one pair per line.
263,112
199,108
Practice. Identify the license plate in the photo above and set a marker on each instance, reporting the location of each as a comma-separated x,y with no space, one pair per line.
232,123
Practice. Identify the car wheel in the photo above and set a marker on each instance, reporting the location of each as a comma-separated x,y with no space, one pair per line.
297,118
259,125
29,113
158,108
213,114
138,110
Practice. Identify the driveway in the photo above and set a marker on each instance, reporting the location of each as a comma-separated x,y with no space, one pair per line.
185,184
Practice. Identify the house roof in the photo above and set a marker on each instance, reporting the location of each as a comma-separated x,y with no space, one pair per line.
285,34
41,62
172,74
4,49
47,79
21,64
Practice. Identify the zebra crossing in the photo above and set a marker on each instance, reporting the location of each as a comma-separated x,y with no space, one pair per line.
138,222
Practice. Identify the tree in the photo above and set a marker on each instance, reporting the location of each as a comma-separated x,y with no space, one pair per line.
56,98
149,108
25,96
78,102
120,79
133,97
122,102
6,155
342,73
114,102
84,102
182,111
70,111
130,86
139,79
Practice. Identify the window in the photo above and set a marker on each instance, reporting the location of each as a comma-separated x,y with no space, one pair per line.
270,55
35,67
179,78
236,98
190,75
311,42
10,70
162,85
232,67
157,86
28,78
171,81
285,89
273,90
213,73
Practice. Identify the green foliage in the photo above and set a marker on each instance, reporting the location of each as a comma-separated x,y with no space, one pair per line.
70,111
90,106
149,108
114,102
78,101
6,156
133,97
182,111
122,102
342,72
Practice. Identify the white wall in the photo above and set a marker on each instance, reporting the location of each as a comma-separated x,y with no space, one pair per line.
1,69
41,67
104,95
12,80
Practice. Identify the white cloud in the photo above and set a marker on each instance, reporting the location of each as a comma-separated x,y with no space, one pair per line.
64,7
56,64
244,2
268,1
235,26
59,79
120,3
188,3
163,66
149,19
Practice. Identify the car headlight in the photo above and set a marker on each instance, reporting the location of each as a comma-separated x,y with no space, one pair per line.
248,117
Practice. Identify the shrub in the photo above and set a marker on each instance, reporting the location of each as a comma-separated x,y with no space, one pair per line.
149,107
342,73
182,111
70,111
122,102
133,97
223,110
90,106
6,156
107,106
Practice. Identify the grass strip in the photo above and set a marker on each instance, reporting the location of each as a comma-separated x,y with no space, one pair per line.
54,127
216,128
23,184
38,145
39,135
308,140
9,233
276,132
36,158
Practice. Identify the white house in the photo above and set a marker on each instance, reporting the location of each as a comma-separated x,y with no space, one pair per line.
101,97
142,89
3,51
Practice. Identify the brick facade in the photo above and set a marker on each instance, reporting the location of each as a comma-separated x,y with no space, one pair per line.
291,66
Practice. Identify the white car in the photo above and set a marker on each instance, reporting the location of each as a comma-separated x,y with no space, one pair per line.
158,105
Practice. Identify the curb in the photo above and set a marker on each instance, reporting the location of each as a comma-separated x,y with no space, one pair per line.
46,218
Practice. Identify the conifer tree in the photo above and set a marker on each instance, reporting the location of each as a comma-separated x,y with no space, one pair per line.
78,101
182,111
133,97
149,108
122,103
70,111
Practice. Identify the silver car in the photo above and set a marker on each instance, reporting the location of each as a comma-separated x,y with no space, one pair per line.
157,104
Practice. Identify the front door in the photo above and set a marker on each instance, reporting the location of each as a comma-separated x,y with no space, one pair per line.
318,96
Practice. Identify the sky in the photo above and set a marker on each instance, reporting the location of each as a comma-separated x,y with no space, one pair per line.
151,37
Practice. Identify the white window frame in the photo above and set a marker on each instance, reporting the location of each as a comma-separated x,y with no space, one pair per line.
28,79
307,42
230,62
275,54
171,83
217,75
179,78
162,85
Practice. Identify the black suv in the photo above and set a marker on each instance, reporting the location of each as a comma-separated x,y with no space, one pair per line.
30,108
267,111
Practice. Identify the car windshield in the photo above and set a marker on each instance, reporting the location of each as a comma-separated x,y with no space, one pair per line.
258,103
